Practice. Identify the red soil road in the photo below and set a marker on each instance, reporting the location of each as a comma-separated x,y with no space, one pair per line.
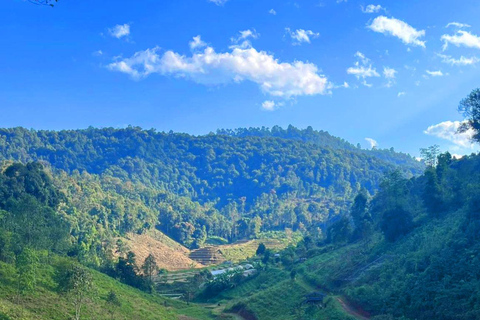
353,311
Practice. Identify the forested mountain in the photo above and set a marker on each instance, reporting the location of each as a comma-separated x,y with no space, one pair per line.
324,139
192,187
409,252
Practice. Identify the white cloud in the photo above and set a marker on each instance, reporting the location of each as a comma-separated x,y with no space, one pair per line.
270,105
120,30
461,38
242,40
371,8
373,143
448,130
301,35
401,94
457,25
197,43
245,34
437,73
272,11
97,53
389,73
462,61
218,2
363,69
279,79
399,29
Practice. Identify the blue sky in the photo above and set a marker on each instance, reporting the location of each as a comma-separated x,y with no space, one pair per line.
389,71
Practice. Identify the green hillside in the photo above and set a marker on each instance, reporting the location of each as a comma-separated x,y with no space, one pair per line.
48,303
410,252
195,187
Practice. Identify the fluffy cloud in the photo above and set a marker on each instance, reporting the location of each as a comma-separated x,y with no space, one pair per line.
120,30
242,40
218,2
272,11
401,94
363,69
457,25
197,43
373,143
437,73
371,8
399,29
461,38
279,79
268,105
462,61
299,36
389,74
448,130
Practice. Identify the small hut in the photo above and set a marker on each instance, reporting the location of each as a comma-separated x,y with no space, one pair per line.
315,298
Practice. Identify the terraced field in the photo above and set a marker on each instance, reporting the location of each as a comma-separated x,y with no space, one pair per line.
243,250
208,255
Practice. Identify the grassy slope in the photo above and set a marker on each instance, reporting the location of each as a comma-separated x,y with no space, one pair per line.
46,303
273,295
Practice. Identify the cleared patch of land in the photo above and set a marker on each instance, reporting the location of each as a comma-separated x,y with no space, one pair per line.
168,254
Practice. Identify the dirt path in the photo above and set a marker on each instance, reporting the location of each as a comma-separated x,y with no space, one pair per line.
351,310
347,307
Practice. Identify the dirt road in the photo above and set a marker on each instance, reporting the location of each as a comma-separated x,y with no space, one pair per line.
351,310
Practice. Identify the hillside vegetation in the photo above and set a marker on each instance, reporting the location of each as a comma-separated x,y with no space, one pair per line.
410,252
195,187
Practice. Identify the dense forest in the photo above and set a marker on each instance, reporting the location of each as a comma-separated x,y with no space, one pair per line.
408,252
226,185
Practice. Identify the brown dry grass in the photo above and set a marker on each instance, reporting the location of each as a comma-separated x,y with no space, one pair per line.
169,254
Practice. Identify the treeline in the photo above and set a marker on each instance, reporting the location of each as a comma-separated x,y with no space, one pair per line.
212,168
131,180
410,166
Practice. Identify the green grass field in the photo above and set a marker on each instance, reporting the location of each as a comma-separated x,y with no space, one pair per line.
46,303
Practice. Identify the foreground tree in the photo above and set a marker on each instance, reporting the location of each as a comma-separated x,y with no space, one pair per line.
430,155
261,249
77,283
361,217
113,302
27,265
470,108
340,231
150,269
396,223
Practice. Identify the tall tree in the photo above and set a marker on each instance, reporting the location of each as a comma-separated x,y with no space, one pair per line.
430,155
77,283
27,265
113,302
361,217
432,194
470,108
150,269
396,223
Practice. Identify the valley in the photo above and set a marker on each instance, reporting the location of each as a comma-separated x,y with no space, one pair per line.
305,248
